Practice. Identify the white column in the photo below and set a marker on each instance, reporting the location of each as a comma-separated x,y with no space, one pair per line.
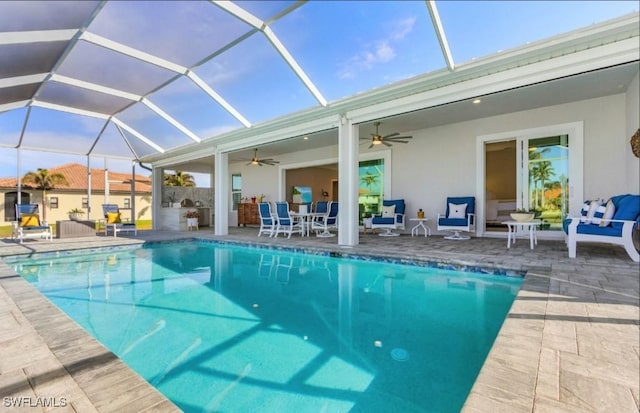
348,153
221,194
157,176
106,182
88,187
19,177
133,192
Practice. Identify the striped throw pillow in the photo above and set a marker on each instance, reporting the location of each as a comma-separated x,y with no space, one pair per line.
603,214
588,210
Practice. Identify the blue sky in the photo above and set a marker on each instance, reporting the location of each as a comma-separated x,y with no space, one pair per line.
345,47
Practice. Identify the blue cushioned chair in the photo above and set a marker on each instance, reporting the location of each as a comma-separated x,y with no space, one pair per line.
267,221
323,223
286,224
617,231
116,225
389,222
459,216
28,224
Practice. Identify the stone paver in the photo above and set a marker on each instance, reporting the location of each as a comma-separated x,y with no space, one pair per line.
570,343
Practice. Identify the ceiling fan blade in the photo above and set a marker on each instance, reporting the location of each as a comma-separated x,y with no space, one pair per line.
390,135
400,137
386,143
370,146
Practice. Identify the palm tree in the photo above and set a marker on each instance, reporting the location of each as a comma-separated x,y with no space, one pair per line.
544,173
369,179
179,179
44,181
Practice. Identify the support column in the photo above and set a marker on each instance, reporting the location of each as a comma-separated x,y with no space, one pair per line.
157,175
89,187
348,153
221,194
133,192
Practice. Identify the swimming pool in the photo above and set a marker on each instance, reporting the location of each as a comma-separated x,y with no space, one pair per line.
227,328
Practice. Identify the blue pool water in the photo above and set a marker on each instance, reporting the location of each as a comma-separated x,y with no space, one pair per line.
234,329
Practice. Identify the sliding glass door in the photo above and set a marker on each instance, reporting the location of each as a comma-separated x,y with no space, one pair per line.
545,179
538,169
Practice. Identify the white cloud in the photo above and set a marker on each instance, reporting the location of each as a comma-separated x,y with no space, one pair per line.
377,52
402,28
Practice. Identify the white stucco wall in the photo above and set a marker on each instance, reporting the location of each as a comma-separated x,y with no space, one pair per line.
441,161
633,123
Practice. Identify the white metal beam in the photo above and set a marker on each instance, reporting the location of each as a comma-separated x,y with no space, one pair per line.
37,36
68,109
94,87
170,119
13,105
137,134
442,39
240,13
294,65
23,80
252,20
132,52
209,91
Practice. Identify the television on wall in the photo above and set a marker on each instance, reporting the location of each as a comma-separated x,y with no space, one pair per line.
302,194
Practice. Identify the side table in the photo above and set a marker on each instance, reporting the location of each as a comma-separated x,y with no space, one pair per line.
516,226
416,229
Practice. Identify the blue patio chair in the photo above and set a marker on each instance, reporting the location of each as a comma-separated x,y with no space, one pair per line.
323,223
322,207
114,222
392,217
611,223
459,216
28,225
285,223
267,221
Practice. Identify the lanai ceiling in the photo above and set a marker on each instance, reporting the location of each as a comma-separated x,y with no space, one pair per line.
130,79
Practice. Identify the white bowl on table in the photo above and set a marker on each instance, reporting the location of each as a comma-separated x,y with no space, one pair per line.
522,216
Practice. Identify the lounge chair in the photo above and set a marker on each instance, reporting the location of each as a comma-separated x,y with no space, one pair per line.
392,217
28,225
459,216
267,221
114,222
323,223
286,224
611,222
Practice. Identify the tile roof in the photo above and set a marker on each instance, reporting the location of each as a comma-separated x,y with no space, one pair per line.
76,175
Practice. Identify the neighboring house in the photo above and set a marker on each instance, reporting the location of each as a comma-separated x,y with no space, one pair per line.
60,200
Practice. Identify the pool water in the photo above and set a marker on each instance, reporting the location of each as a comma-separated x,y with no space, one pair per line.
233,329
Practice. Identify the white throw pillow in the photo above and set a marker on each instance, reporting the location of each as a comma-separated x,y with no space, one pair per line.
457,211
389,211
588,210
603,214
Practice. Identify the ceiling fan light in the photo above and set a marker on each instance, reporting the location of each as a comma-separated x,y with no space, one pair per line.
376,142
254,161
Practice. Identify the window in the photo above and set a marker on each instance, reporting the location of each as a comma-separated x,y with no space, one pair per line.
53,202
85,202
371,177
127,203
236,191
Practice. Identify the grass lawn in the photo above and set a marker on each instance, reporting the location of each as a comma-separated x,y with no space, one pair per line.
5,230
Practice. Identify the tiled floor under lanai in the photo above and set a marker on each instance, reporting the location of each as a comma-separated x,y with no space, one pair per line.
571,341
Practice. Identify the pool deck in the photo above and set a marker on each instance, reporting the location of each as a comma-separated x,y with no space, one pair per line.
570,343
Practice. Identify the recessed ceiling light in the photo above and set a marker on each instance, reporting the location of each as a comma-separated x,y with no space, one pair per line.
476,101
306,138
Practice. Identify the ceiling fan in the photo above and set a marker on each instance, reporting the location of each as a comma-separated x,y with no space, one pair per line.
257,161
387,140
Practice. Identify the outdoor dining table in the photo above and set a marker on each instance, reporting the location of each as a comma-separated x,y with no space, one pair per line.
306,218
